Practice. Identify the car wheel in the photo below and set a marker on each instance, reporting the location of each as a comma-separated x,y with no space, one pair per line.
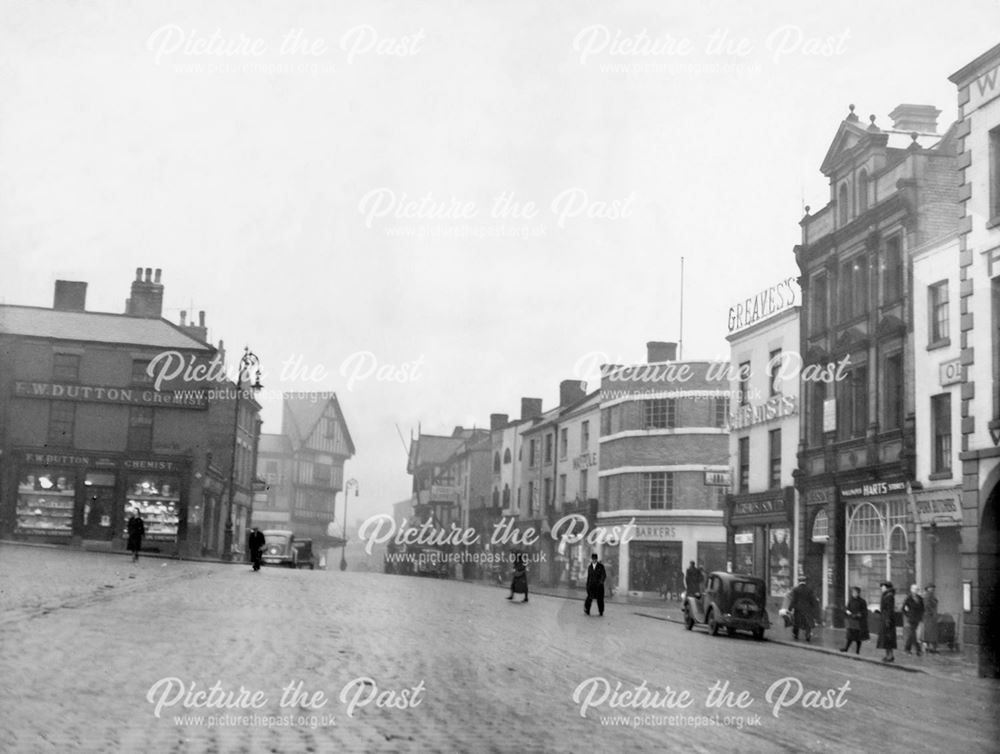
713,625
688,621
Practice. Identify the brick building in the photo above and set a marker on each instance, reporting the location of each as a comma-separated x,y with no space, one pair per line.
891,192
663,447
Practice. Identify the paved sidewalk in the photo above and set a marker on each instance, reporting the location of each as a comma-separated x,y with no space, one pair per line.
825,639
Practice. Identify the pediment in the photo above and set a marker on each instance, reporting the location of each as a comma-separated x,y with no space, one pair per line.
849,137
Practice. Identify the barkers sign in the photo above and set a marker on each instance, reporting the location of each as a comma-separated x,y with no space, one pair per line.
768,302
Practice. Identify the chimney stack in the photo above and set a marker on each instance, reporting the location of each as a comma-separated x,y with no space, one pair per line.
531,408
184,316
147,295
571,391
659,351
70,296
498,421
919,118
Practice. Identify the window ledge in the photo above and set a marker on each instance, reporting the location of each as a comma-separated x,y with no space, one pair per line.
942,343
939,475
993,222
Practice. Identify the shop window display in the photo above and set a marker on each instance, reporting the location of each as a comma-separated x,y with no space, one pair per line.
158,503
45,502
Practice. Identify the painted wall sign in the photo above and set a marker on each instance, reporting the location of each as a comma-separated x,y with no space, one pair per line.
938,507
585,460
129,396
983,89
950,372
759,507
777,407
874,489
718,478
654,532
767,303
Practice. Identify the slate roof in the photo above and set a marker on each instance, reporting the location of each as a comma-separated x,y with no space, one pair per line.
95,327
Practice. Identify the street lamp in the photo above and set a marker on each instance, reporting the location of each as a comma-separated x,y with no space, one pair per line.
348,485
248,362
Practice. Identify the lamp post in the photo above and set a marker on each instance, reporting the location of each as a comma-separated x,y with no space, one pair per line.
348,485
248,362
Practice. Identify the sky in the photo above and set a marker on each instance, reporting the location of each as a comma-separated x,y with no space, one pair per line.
436,208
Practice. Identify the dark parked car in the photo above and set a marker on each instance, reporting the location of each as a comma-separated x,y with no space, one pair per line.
279,548
304,557
731,601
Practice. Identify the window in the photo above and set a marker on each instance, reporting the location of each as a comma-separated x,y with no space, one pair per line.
562,488
659,489
583,485
941,428
563,442
65,367
547,494
506,495
862,191
519,498
506,455
893,391
852,404
496,498
548,447
744,378
496,463
531,498
660,413
140,428
937,308
744,458
140,373
322,474
62,417
892,271
774,454
995,174
605,421
842,204
817,316
721,408
853,288
774,367
584,436
531,453
816,406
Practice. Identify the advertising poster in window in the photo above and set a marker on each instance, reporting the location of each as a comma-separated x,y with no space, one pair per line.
780,558
158,503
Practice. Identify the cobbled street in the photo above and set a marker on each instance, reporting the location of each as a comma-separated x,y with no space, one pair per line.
100,654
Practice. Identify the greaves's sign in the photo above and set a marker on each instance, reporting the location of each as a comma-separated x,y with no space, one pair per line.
764,304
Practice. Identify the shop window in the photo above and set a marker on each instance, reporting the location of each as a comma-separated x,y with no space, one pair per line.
62,418
157,500
937,309
659,413
866,530
892,272
744,551
780,562
892,391
774,454
140,428
65,367
941,432
45,502
744,461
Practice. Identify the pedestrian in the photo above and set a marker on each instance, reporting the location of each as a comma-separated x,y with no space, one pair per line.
913,612
595,585
857,620
136,531
803,608
255,545
930,619
519,584
692,580
887,631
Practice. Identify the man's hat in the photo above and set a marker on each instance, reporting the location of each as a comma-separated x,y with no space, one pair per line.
886,584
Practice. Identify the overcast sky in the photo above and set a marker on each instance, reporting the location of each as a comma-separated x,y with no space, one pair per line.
346,186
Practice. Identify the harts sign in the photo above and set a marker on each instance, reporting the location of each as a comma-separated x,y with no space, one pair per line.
769,301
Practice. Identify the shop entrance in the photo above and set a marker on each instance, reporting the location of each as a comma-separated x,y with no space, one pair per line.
653,565
98,506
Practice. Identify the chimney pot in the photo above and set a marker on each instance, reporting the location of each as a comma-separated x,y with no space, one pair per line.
201,318
919,118
149,274
156,278
184,316
138,274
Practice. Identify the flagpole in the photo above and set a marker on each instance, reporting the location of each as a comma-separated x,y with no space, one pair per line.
680,340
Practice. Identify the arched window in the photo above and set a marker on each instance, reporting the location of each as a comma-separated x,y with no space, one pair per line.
863,191
821,527
842,204
897,539
506,495
496,463
506,455
866,530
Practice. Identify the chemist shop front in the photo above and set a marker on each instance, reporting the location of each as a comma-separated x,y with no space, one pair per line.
760,525
73,497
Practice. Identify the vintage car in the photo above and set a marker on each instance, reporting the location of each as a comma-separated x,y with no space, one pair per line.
304,557
731,601
279,548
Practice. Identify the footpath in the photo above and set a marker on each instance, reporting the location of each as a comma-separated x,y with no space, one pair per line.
825,639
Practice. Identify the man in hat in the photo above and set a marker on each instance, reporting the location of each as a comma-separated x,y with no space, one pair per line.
887,631
913,610
803,608
595,585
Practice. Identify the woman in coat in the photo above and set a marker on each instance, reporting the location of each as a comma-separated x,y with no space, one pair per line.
930,619
520,581
136,531
887,633
857,620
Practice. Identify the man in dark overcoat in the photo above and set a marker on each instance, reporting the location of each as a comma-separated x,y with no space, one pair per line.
595,585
